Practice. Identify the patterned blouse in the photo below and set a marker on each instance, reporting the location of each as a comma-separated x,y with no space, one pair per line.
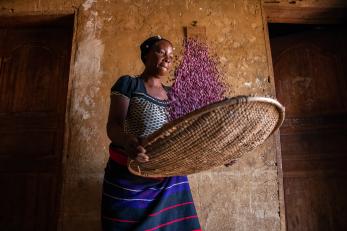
146,114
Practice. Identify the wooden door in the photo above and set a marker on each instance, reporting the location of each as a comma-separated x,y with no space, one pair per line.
310,69
34,67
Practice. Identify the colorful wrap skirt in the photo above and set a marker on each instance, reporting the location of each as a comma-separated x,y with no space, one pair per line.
132,202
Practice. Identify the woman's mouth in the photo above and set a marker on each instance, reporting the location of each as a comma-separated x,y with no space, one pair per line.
163,66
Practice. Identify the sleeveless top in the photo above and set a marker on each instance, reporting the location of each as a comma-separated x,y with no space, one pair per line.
146,114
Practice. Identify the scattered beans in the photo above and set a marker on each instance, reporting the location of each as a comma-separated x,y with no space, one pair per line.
197,81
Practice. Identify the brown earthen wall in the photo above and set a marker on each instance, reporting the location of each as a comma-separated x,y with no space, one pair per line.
106,45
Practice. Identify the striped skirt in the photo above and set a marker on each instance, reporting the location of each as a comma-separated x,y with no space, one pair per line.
131,202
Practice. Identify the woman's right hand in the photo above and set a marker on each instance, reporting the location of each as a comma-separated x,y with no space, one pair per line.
134,149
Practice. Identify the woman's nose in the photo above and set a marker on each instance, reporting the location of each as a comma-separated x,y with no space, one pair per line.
167,59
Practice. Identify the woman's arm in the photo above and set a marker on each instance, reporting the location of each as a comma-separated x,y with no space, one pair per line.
115,131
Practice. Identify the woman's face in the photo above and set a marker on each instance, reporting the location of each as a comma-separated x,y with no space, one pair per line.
159,58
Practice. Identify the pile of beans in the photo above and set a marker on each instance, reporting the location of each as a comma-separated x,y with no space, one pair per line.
197,81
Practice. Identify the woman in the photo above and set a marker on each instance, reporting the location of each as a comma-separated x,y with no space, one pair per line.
138,108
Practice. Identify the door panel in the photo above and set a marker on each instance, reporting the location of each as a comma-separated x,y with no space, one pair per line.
310,75
33,87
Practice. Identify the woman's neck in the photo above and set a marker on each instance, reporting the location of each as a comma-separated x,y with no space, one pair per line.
151,80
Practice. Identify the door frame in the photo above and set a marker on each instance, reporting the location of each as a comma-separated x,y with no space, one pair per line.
31,18
275,13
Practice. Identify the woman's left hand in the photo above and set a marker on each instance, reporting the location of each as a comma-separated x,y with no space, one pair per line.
141,156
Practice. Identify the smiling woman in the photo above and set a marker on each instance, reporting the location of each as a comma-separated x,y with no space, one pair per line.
139,108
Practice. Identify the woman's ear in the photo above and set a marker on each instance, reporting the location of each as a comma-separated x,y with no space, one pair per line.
145,60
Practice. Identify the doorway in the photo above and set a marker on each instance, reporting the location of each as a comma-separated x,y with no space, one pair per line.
34,72
310,70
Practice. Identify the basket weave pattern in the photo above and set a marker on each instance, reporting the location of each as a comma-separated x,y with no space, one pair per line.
210,137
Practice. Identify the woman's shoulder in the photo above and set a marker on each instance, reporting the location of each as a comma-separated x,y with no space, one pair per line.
124,79
125,85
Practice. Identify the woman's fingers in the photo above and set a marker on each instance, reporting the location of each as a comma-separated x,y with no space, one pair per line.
141,149
135,150
141,157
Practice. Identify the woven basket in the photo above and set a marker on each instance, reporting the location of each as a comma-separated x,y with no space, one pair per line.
209,137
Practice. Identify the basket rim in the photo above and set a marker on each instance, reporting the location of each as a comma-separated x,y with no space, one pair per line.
206,109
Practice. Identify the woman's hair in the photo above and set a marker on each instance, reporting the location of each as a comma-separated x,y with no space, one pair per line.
146,46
